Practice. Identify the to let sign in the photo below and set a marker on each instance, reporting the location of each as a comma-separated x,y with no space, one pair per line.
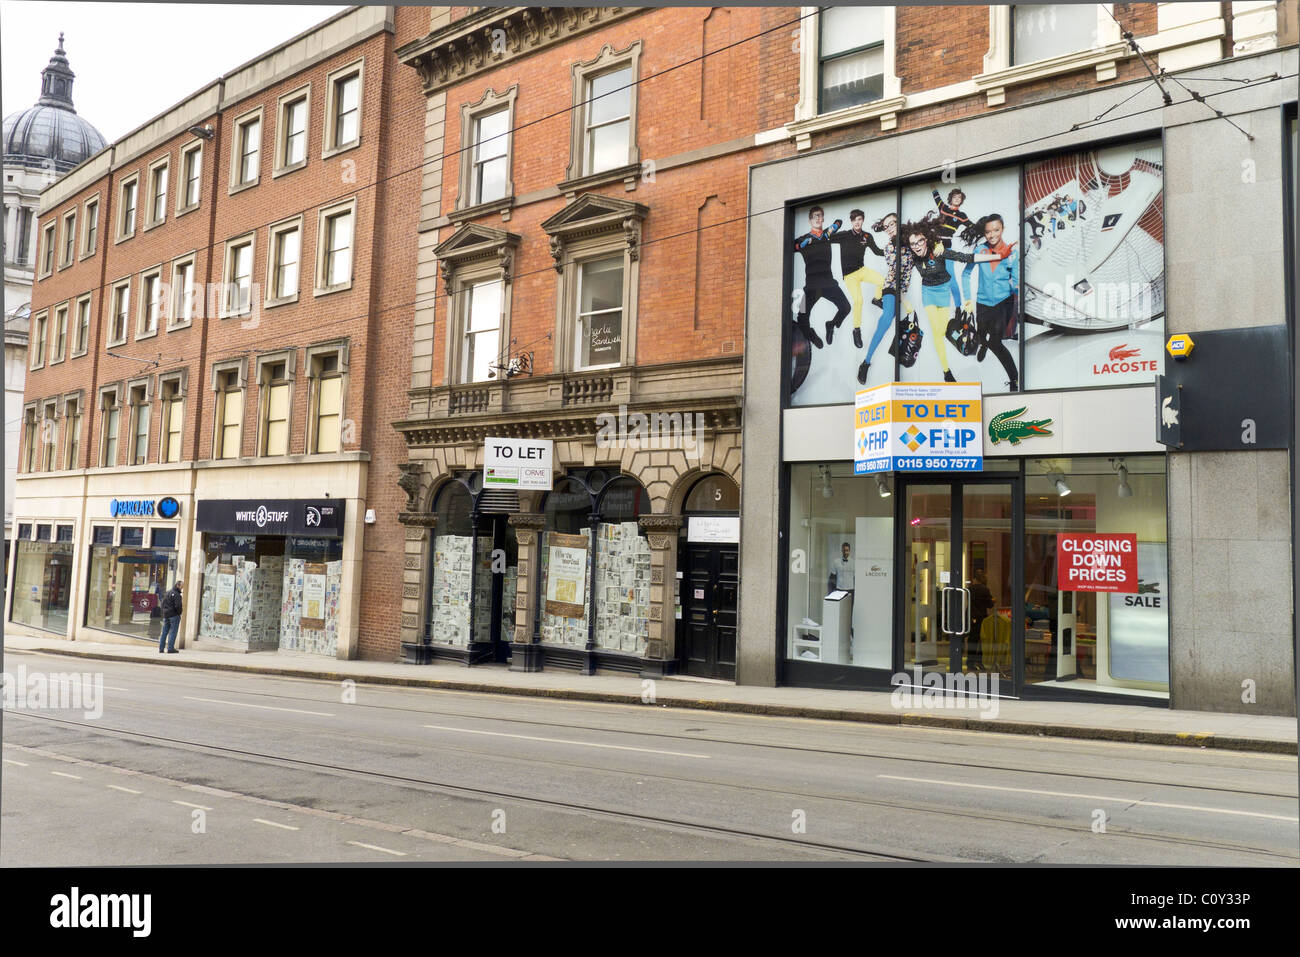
517,463
1096,562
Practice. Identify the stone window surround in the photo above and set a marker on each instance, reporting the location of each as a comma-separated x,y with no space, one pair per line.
142,307
264,361
79,397
339,348
181,379
162,162
89,214
279,168
66,308
69,220
105,392
186,152
331,85
489,102
121,234
462,280
31,418
75,317
219,368
42,319
48,252
576,240
146,383
319,286
190,258
236,157
112,311
227,276
576,176
49,409
273,262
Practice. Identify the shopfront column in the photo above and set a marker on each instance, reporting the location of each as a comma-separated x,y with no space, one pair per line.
416,567
661,648
525,653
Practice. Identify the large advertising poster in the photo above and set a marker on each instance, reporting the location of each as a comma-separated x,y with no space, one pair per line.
843,305
566,575
1094,268
961,280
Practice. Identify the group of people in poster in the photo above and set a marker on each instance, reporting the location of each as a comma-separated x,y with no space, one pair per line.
975,323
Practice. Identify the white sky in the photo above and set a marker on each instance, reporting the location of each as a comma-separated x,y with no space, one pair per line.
134,60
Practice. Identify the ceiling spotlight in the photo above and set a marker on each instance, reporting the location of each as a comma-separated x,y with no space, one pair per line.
826,481
1062,487
1124,490
882,486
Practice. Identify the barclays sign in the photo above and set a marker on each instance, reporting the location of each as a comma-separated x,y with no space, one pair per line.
166,507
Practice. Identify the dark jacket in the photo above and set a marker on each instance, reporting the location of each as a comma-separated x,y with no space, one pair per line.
171,603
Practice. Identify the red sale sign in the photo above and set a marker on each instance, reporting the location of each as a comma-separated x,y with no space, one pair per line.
1096,562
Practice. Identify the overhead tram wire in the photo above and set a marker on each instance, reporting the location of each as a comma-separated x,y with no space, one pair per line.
427,298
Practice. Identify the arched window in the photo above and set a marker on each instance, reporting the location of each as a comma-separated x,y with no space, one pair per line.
713,493
453,567
564,565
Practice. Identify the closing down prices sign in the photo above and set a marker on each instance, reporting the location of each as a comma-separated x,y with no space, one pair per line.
1096,562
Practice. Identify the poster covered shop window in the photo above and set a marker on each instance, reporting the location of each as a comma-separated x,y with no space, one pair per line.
958,279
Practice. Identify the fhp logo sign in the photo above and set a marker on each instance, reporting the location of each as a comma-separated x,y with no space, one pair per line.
918,427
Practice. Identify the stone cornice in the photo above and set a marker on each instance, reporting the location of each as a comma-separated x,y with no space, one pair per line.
490,37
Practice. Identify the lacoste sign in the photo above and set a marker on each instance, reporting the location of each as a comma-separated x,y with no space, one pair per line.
1009,426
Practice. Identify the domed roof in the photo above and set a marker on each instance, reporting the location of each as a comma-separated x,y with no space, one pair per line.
50,135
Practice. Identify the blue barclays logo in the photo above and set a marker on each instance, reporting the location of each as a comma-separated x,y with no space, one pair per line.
135,507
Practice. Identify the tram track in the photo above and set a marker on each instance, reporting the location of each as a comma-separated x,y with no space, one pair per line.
971,816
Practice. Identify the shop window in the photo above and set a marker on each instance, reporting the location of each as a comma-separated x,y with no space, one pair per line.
451,584
63,533
162,537
1089,637
42,582
24,531
622,569
140,409
101,535
126,584
565,563
840,593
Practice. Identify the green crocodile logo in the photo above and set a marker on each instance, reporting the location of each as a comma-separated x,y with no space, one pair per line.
1004,426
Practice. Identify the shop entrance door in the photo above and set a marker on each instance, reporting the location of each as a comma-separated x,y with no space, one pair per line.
495,580
709,586
960,602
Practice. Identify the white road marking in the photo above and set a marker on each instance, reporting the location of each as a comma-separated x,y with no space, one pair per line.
65,774
21,764
376,847
287,827
118,787
1092,797
198,807
585,744
264,707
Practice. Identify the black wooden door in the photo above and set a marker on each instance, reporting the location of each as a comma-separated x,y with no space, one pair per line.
710,583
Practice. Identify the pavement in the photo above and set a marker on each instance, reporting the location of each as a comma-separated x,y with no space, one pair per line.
1067,719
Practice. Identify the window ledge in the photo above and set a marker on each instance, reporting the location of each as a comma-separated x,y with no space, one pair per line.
1105,59
115,343
86,255
283,170
287,300
887,109
145,335
240,187
241,314
178,326
502,206
186,209
63,266
54,362
154,225
326,290
76,355
629,174
124,237
336,150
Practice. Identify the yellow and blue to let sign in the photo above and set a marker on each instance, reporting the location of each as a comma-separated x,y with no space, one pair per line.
918,427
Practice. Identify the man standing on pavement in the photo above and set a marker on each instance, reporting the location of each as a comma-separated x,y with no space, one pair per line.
171,615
